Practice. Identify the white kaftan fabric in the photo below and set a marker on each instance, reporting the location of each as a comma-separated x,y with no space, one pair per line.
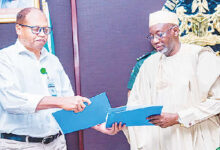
187,83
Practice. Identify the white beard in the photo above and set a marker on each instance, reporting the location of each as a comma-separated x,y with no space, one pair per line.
163,51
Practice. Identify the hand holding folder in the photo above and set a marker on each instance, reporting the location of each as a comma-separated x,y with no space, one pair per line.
97,111
132,115
92,115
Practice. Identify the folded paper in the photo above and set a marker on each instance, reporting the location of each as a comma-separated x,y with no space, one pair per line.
132,116
92,115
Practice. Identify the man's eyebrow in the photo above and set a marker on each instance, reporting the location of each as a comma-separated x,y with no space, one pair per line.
158,31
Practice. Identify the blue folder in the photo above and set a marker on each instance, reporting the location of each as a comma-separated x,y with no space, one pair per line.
92,115
132,116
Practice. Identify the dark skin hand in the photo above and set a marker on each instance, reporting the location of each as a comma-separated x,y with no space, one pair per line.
164,120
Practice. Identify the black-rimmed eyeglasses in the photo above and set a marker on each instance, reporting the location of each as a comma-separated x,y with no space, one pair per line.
159,35
37,30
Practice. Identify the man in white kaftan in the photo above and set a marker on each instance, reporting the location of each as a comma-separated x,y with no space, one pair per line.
185,79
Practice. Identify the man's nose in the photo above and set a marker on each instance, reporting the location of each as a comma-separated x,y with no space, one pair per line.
155,40
41,32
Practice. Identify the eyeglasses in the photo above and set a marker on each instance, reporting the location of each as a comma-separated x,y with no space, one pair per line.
159,35
37,30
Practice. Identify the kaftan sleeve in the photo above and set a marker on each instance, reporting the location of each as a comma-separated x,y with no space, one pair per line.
208,76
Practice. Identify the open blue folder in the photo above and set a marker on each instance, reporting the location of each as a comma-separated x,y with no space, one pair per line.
132,116
92,115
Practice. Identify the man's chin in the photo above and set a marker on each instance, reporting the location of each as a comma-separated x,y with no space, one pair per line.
40,46
164,51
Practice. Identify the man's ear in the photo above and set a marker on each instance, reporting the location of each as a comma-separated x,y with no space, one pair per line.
176,31
18,29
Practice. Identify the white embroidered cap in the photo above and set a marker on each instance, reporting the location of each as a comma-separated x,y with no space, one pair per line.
163,17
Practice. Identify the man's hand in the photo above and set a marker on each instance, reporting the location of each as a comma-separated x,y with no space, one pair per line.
110,131
164,120
74,103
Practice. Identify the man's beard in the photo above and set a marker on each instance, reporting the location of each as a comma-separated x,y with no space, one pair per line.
164,51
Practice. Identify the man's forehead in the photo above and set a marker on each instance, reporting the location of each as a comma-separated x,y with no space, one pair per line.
158,27
36,17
